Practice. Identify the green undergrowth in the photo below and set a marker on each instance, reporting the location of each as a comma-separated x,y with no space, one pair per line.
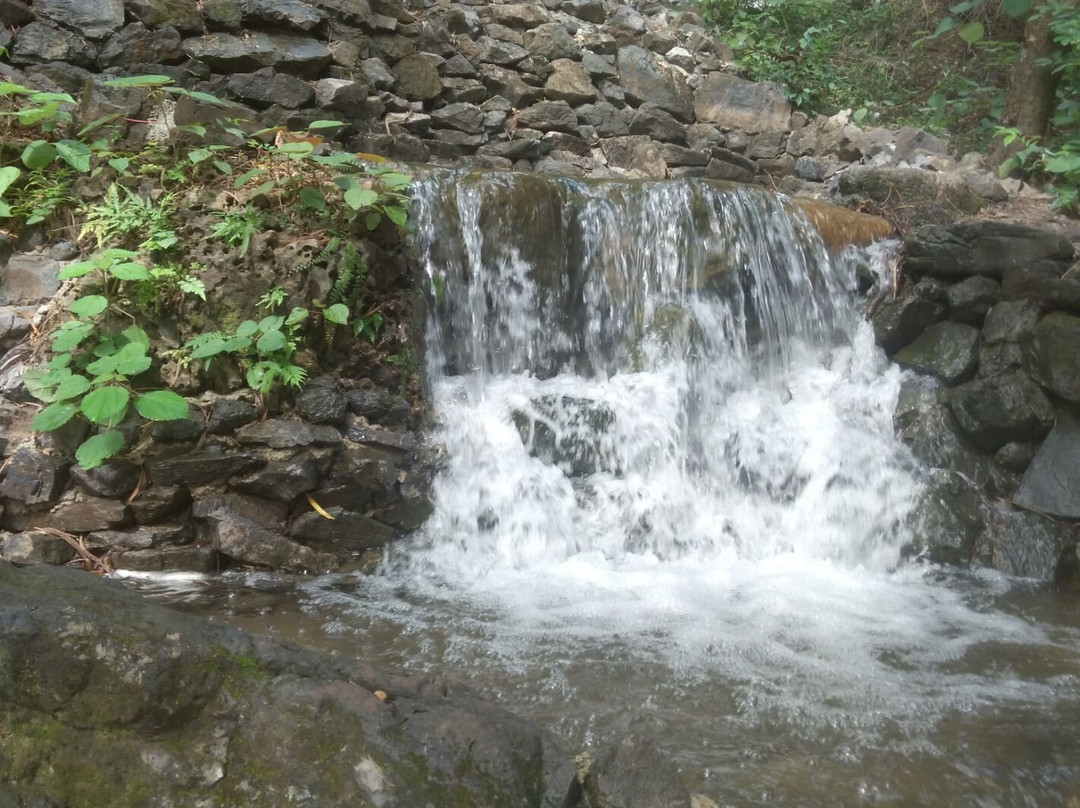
99,364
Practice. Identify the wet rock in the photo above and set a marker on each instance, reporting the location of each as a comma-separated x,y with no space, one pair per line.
28,279
157,502
283,480
981,248
141,538
809,169
110,480
229,414
379,406
202,466
283,13
381,438
1005,409
34,478
281,433
41,42
1023,543
1067,571
1054,357
159,13
552,41
408,510
972,298
657,124
569,82
417,78
635,152
15,323
647,80
635,774
917,393
136,44
180,429
548,116
567,432
250,543
34,547
321,404
266,513
949,351
265,87
1051,484
347,534
168,559
1015,457
1044,286
936,440
948,519
469,91
84,515
734,103
1010,321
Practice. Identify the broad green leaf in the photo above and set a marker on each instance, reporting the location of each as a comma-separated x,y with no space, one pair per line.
338,313
394,180
37,384
60,362
247,328
223,167
372,220
398,215
89,306
271,341
161,405
71,335
1063,163
51,98
8,88
117,254
346,182
106,405
198,95
38,154
357,198
212,347
260,376
152,80
296,316
198,155
104,119
265,188
136,335
8,175
324,124
271,323
971,32
947,24
75,154
236,344
335,159
94,451
129,271
120,164
965,6
312,198
298,148
77,270
103,366
1016,8
54,416
72,387
248,176
132,360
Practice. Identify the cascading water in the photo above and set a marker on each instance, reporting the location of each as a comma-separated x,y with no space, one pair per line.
670,500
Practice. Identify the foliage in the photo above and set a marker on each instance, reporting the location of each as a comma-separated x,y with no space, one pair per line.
123,218
238,228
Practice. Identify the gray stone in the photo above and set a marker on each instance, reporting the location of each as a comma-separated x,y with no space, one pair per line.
1067,571
636,774
407,511
569,82
917,393
605,118
283,13
647,80
981,248
1054,357
377,73
32,477
348,533
656,123
734,103
28,279
949,351
94,19
948,519
289,53
141,538
547,116
266,87
279,433
626,24
201,467
597,66
283,480
727,165
563,144
509,85
915,191
343,95
677,156
971,299
250,543
1005,409
84,515
999,358
588,10
466,91
1044,285
182,15
463,117
268,513
519,15
34,547
767,145
910,141
117,478
168,559
229,414
155,502
558,168
499,52
704,137
418,78
379,406
136,44
321,404
809,169
15,12
225,15
1052,482
392,47
1010,321
458,66
1023,543
15,323
552,41
381,438
1015,457
635,152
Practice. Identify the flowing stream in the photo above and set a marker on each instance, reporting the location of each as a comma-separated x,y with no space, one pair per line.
669,500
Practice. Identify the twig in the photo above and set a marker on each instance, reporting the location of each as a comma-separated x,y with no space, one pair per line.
80,548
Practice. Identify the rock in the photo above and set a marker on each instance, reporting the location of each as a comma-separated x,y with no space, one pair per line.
972,298
1052,482
94,19
15,323
1054,356
676,156
626,24
283,480
136,44
1023,543
597,66
727,165
519,15
35,547
947,350
657,124
381,438
569,82
343,95
379,406
347,534
500,52
265,87
197,712
224,15
910,141
408,511
28,279
84,515
321,404
552,41
509,85
377,74
267,513
605,118
809,169
467,118
158,501
41,42
15,12
202,466
417,78
1043,284
229,414
250,543
917,393
168,559
548,116
114,479
1067,571
981,248
588,10
1005,409
636,774
948,519
1015,457
283,13
647,80
32,477
635,152
280,433
734,103
185,17
468,91
141,538
1010,321
288,53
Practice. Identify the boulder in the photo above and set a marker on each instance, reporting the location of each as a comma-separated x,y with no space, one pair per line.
463,117
141,538
635,153
201,466
294,14
899,321
548,116
659,125
94,19
155,502
347,534
28,279
1044,285
605,118
915,190
734,103
283,479
84,515
283,433
948,519
251,543
229,414
1001,410
32,477
635,774
136,44
265,87
981,248
196,558
971,299
321,404
1023,543
1010,321
114,479
35,547
1051,484
1054,355
949,351
288,53
552,41
646,79
417,78
519,15
569,82
183,16
509,85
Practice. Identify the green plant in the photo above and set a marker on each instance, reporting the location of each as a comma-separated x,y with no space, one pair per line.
168,285
272,298
238,228
123,218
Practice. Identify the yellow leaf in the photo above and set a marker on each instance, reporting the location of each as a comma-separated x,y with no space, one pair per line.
319,509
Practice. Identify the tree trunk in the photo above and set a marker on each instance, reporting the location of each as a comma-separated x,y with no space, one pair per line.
1030,102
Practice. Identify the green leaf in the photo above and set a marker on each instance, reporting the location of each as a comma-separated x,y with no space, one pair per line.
261,375
298,148
346,182
120,164
129,271
971,32
947,24
338,313
312,198
296,316
152,80
372,220
198,155
1063,163
357,198
397,214
38,154
324,124
106,405
271,323
104,119
271,341
265,188
54,416
136,335
212,347
161,405
76,270
70,335
247,328
8,175
95,450
393,180
72,387
75,154
1016,8
61,361
236,344
103,366
89,306
223,167
248,176
131,360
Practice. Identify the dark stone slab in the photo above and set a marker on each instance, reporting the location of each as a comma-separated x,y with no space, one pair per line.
982,248
1054,355
1004,409
202,466
280,433
1052,482
636,773
282,480
348,533
33,477
949,351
